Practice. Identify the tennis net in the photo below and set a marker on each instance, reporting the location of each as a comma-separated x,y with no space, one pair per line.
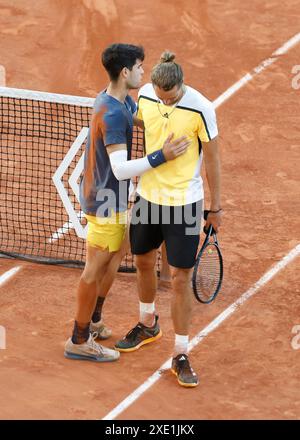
42,141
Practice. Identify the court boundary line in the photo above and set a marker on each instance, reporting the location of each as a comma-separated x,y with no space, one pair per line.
131,398
2,76
6,276
257,70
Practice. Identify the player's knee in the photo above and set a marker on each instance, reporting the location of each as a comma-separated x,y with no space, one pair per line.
180,279
91,272
89,275
145,262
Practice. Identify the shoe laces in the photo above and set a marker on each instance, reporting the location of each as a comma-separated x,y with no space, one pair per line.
133,333
93,345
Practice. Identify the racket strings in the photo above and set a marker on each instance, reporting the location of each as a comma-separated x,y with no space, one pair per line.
209,272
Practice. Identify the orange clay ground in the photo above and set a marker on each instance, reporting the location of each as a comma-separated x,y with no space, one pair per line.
247,366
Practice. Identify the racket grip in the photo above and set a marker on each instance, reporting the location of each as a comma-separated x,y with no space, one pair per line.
205,214
206,230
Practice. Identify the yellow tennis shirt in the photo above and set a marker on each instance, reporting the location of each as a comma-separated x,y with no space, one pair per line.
177,182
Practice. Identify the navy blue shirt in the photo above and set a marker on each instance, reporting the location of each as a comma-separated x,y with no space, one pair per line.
112,123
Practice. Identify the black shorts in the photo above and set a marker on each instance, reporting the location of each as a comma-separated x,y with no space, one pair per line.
178,226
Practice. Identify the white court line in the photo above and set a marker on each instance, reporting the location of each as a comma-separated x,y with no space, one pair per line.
270,274
9,274
205,332
2,76
258,69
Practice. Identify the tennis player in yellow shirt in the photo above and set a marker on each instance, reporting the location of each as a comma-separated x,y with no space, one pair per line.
174,193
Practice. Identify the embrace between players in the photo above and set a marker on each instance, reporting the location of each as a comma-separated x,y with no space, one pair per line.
180,128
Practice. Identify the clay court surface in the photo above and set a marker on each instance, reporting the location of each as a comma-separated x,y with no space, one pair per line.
247,366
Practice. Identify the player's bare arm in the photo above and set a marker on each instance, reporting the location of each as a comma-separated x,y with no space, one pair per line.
213,173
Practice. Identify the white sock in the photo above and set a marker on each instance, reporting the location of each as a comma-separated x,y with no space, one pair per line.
147,313
181,344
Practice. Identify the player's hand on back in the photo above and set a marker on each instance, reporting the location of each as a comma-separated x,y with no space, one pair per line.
174,148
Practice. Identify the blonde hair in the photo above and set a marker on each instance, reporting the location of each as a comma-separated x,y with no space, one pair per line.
167,74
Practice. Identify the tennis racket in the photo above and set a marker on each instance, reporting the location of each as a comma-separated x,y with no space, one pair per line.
208,270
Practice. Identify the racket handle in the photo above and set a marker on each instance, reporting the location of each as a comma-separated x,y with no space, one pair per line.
205,214
209,230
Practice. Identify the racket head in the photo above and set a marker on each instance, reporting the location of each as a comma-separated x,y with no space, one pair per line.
208,271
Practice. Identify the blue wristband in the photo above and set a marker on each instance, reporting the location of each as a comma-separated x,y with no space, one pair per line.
156,158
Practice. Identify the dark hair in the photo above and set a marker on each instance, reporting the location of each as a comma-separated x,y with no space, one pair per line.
167,74
117,56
